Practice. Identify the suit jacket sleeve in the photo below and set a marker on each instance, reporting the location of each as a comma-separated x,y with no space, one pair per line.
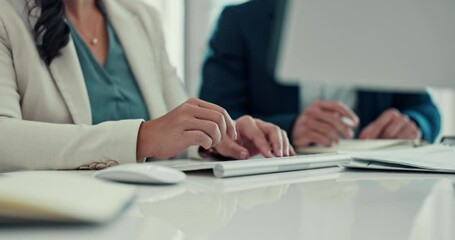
225,72
421,109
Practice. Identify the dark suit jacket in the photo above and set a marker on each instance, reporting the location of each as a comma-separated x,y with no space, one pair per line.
235,76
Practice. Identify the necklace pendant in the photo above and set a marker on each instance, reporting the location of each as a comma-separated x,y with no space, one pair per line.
94,41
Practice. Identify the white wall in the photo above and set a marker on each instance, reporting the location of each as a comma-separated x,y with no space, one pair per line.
173,17
445,99
197,29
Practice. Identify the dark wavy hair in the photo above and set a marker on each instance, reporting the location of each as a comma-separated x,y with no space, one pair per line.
50,31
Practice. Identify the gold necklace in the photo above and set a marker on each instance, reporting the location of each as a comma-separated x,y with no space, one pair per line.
94,39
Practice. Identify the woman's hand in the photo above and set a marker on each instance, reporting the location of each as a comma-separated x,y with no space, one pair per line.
254,137
195,122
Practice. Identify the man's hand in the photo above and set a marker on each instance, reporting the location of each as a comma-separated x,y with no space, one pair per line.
392,125
323,123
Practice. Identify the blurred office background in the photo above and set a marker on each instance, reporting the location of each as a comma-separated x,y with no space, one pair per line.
188,25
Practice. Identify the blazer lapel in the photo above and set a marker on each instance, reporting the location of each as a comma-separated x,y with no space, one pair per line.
139,52
64,69
67,74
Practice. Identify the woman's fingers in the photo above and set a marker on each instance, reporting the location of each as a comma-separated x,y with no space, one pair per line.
256,136
260,141
211,116
248,128
210,128
291,150
230,124
194,122
274,137
232,149
286,144
197,138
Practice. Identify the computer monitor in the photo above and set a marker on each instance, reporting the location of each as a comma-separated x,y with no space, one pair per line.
387,44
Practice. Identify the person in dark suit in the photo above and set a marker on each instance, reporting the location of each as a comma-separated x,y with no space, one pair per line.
236,76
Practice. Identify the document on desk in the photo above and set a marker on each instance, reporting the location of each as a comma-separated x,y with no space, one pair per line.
357,145
54,196
431,158
222,169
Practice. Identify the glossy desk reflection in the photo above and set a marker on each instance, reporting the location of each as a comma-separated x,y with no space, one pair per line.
315,204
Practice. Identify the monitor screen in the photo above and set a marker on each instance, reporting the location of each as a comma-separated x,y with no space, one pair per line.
386,44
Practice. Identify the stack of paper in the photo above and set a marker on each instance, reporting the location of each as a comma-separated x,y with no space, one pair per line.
60,197
431,158
360,145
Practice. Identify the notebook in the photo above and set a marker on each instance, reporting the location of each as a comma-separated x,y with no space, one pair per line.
235,168
52,196
360,145
430,158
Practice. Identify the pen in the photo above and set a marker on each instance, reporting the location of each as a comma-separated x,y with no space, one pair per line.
347,121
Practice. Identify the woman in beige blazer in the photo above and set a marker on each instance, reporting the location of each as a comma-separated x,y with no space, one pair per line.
45,109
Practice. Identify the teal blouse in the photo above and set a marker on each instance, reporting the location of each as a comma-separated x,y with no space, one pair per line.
112,89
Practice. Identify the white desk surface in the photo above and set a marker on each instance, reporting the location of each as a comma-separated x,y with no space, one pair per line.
314,204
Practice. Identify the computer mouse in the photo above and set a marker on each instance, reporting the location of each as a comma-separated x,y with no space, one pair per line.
144,173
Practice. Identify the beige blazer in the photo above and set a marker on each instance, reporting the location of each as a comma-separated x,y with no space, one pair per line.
45,116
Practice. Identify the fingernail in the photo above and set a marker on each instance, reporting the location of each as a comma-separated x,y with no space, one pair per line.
281,153
235,135
243,155
235,131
